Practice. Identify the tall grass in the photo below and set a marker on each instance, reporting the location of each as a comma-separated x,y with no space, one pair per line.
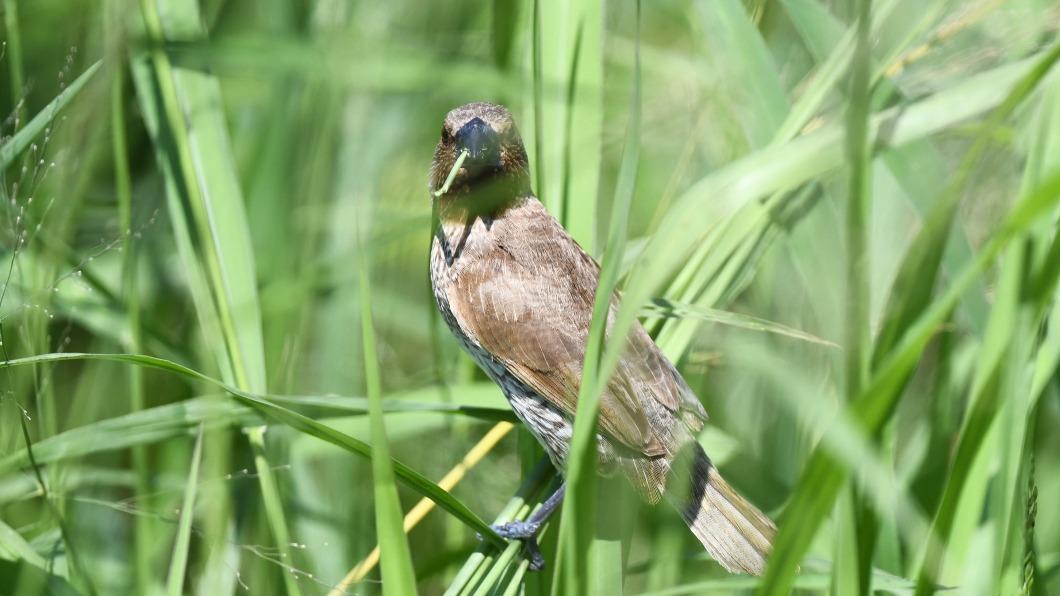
221,367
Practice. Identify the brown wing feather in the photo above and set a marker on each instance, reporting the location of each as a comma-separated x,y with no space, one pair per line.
528,300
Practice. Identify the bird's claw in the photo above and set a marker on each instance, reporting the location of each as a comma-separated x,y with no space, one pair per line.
526,532
537,560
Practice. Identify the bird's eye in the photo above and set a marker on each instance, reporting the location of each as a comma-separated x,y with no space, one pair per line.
445,133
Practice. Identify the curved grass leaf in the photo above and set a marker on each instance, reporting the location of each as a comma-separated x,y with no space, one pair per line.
137,428
660,307
299,422
153,425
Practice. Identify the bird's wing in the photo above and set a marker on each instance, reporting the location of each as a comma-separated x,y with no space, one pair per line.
528,301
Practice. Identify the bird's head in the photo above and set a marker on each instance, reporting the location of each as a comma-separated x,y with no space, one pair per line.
494,169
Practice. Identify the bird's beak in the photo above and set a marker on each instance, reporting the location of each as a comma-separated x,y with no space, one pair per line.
481,143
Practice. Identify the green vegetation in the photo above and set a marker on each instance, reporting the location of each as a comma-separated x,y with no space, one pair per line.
221,369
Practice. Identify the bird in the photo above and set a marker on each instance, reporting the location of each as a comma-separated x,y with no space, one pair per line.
517,292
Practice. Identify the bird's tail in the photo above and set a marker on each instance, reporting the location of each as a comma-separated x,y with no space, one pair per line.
735,533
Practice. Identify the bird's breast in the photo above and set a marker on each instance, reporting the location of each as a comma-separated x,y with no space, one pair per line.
452,251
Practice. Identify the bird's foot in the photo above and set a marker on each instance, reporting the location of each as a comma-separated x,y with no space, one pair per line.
525,531
533,554
517,530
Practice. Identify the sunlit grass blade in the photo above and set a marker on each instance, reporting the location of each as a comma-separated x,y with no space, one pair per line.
584,126
859,527
578,515
207,209
569,48
214,204
709,280
751,74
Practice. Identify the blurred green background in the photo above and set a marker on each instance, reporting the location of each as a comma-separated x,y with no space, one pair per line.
844,235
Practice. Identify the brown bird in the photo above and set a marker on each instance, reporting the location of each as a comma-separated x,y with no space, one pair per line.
517,292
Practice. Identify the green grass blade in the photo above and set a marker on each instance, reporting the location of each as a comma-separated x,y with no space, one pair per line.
14,146
722,193
915,281
137,428
23,579
823,476
270,495
13,44
114,32
577,521
209,205
585,122
14,547
395,559
859,525
858,208
750,72
179,561
821,32
661,307
1002,387
759,103
190,103
813,21
986,402
569,53
480,564
299,422
160,423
